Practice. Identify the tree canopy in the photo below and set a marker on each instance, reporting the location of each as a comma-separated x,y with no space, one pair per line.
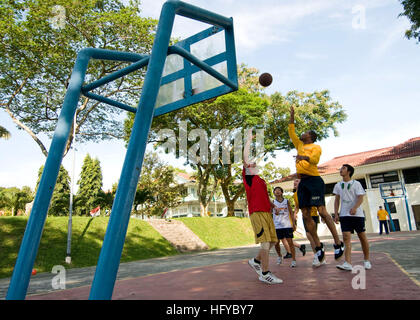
157,189
59,204
90,193
412,12
40,42
15,199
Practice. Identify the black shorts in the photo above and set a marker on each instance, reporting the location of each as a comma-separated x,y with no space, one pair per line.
284,233
351,224
316,220
311,192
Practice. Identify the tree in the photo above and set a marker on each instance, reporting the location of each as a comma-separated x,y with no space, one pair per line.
412,12
15,199
60,200
313,111
90,186
4,133
40,42
157,190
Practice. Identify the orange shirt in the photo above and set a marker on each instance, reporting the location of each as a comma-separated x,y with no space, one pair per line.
382,214
313,151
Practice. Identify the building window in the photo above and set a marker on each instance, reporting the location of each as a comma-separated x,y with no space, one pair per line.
412,175
184,192
363,183
392,207
192,191
376,179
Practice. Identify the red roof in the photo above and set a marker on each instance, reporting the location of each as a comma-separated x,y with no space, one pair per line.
185,176
407,149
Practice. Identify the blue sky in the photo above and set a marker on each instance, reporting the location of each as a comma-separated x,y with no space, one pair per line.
355,49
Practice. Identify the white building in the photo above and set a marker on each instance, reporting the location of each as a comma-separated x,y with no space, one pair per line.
397,163
190,206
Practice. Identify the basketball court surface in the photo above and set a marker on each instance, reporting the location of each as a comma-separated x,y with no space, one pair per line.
225,275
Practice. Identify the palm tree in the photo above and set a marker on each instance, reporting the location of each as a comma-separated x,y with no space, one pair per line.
4,133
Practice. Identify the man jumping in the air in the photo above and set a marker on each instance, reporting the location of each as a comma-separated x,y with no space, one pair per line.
311,189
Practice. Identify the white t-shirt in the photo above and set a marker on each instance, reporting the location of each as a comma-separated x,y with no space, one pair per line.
282,220
348,192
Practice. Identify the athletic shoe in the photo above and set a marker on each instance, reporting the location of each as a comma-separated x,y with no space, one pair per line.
302,249
255,266
367,265
315,262
270,278
287,256
338,250
320,252
279,260
293,264
345,266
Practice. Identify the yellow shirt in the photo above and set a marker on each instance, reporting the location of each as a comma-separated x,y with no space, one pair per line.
382,214
314,211
313,151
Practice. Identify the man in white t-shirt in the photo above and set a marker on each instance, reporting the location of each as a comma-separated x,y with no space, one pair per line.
348,198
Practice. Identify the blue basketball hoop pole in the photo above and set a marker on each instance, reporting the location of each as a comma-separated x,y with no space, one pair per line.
108,263
399,187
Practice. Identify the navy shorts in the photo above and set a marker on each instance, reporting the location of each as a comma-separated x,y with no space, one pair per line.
351,224
284,233
311,192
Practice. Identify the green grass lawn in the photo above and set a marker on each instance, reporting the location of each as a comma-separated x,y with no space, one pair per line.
142,242
220,233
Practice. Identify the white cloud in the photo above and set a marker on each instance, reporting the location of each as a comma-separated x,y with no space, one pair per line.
256,23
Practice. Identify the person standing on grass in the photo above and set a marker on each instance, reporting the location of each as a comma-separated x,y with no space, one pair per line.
284,222
348,198
312,188
259,207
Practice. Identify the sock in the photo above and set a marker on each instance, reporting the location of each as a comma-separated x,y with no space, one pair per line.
256,261
265,273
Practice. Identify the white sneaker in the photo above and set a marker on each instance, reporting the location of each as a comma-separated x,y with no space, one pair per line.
293,264
367,265
315,262
345,266
255,266
279,260
270,278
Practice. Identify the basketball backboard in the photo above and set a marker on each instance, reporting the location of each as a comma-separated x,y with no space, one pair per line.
198,68
391,190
